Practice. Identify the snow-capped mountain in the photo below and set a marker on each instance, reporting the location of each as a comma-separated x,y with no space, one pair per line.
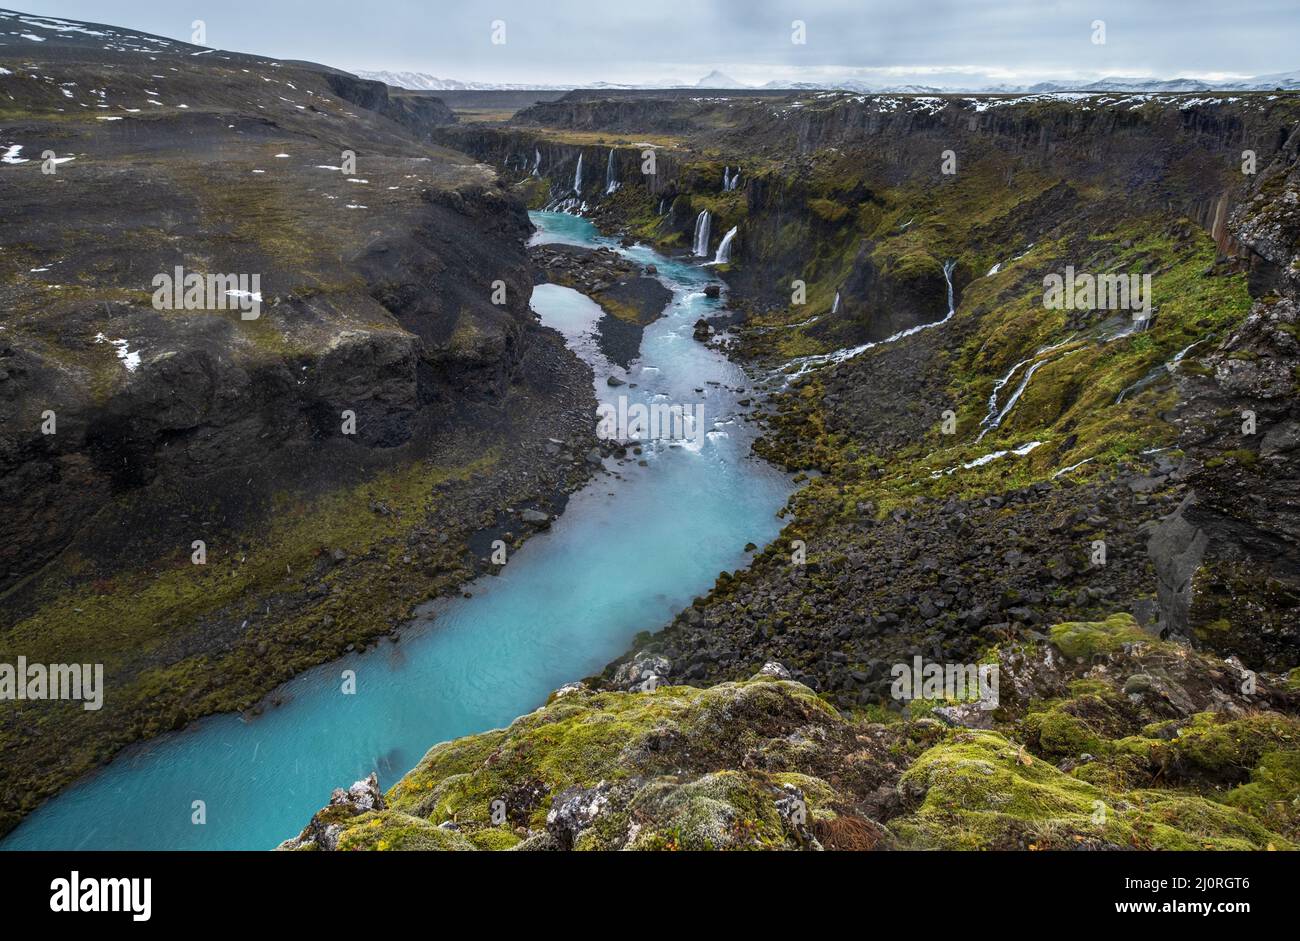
1287,81
422,81
716,79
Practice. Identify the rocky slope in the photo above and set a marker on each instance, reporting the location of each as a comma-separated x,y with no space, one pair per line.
347,452
1104,738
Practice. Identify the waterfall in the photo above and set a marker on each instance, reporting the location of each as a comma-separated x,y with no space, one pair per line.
577,175
992,421
1015,397
1170,367
702,223
1178,357
611,183
987,459
724,247
537,161
662,200
835,305
730,180
995,414
805,364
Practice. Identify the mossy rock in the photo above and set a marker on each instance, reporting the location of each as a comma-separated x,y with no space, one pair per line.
637,744
494,839
393,830
978,790
1058,732
1212,747
1084,639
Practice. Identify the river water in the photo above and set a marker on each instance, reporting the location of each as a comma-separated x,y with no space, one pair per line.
626,555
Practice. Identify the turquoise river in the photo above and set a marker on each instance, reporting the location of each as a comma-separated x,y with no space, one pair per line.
628,552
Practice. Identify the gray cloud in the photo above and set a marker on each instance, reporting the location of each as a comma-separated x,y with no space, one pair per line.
678,40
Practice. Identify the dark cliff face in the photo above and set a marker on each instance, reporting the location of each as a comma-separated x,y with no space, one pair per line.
517,151
644,116
1231,554
418,113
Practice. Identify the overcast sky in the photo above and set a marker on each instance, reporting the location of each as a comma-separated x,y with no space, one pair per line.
677,41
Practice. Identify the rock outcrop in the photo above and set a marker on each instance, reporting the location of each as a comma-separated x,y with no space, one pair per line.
1102,738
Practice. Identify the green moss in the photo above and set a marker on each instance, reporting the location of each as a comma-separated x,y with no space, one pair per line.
1057,732
1292,680
1212,746
1242,456
579,740
387,830
494,839
828,210
1272,794
1211,630
977,790
726,809
1091,638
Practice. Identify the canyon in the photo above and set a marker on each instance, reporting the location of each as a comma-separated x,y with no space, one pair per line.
1100,504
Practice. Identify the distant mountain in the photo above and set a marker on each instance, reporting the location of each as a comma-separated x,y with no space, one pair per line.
422,81
1290,81
1287,81
716,79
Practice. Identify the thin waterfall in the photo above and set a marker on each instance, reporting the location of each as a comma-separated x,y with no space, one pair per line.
996,414
1157,373
702,223
835,305
611,183
537,161
1015,396
805,364
724,247
577,175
